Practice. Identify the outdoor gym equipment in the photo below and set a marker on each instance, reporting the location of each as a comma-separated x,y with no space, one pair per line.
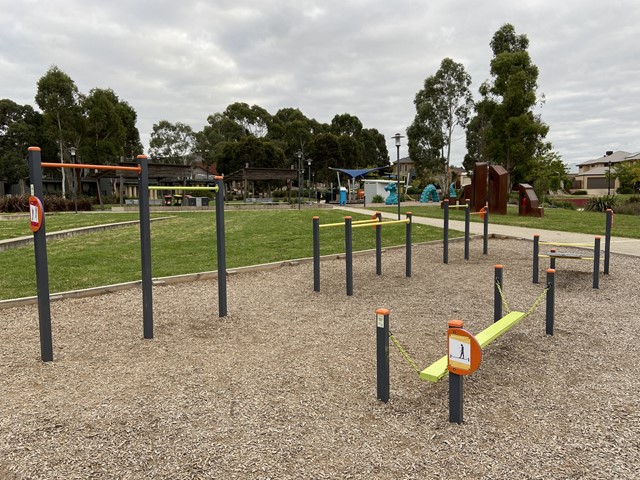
484,215
436,371
375,222
37,220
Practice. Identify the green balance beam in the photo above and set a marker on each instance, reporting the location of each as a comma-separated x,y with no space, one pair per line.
437,370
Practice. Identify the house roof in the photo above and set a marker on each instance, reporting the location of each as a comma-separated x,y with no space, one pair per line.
635,156
594,172
615,157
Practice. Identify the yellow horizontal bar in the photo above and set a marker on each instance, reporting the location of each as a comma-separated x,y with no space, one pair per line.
341,224
370,220
457,206
568,244
567,256
373,224
214,189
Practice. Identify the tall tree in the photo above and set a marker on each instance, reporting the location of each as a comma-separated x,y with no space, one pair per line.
346,124
57,96
442,105
326,152
374,148
253,119
515,135
172,143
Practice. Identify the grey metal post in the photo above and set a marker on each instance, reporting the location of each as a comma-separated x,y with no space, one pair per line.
485,238
497,298
348,241
382,354
467,228
607,240
536,257
42,272
221,249
550,300
552,261
408,243
379,245
445,242
456,397
145,247
316,254
596,263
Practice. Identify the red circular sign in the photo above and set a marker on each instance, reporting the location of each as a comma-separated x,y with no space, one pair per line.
36,213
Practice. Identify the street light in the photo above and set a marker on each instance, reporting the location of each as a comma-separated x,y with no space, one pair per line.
609,179
397,137
72,152
309,180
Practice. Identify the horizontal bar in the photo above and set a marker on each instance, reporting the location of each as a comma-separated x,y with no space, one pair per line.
215,188
373,224
341,224
457,206
567,256
88,166
369,220
568,244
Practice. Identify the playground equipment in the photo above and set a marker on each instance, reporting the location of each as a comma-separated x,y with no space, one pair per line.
439,369
429,193
37,220
489,186
392,199
452,190
484,215
375,222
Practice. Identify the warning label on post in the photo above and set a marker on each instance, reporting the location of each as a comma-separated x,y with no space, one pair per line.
460,352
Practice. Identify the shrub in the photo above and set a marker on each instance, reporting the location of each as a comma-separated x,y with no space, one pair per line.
377,199
628,209
601,204
579,192
633,199
14,204
561,204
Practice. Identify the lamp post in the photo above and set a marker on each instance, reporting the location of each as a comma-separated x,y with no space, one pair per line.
299,181
309,179
609,179
397,137
72,153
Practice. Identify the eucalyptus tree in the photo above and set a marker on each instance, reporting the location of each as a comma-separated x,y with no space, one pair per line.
254,119
442,105
172,142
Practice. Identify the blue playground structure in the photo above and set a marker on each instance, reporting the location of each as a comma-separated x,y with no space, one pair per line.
452,190
429,191
392,199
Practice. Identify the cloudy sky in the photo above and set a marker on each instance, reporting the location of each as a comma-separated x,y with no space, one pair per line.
182,61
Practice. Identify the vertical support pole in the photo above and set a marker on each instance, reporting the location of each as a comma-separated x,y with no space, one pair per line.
551,282
379,245
42,271
316,254
221,248
552,261
596,263
348,241
607,240
382,353
485,235
456,398
408,243
536,257
467,227
445,242
145,247
497,298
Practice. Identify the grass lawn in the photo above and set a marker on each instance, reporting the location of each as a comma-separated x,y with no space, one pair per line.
183,244
554,219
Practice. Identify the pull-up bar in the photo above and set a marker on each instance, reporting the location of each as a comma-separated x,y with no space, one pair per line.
161,187
89,166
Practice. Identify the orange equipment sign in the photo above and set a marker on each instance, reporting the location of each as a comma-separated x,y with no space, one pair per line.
36,212
463,350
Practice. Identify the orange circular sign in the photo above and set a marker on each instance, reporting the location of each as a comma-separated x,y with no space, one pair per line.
36,213
463,351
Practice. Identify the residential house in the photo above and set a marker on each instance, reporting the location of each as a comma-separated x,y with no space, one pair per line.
593,175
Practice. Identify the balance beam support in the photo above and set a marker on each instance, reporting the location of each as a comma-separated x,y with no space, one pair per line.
607,240
497,298
551,282
408,244
348,243
467,228
145,247
379,244
536,258
445,242
382,353
596,263
316,254
485,239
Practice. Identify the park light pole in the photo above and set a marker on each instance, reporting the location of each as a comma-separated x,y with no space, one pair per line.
609,179
309,179
397,137
72,153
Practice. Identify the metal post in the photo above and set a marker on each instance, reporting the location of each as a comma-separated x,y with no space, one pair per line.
316,254
221,249
348,241
456,398
550,300
398,174
596,263
42,272
607,240
379,245
497,298
408,244
485,238
552,261
467,228
382,353
145,247
536,257
445,242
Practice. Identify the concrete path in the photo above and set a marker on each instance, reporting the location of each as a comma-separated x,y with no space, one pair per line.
621,245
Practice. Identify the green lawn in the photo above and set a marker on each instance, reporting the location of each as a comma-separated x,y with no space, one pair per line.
554,219
184,244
